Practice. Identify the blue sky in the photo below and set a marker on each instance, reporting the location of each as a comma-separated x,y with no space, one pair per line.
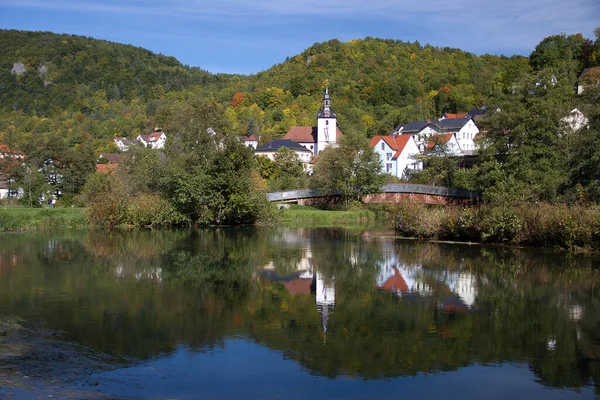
248,36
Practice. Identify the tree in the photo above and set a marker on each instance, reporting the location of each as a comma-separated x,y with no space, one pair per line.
351,170
33,184
288,171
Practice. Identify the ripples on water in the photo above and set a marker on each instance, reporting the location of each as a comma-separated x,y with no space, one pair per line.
293,313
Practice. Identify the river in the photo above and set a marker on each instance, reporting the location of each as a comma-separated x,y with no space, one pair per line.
293,314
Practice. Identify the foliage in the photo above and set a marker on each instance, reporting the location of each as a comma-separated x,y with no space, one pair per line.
351,170
542,225
288,171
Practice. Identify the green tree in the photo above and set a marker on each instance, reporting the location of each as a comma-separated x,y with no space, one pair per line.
288,171
351,170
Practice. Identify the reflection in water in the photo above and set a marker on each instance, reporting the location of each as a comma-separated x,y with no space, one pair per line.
336,303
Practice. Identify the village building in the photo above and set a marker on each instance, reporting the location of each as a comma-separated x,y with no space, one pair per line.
421,131
317,138
251,141
574,122
108,162
464,129
397,154
155,140
124,144
589,77
9,160
270,149
448,140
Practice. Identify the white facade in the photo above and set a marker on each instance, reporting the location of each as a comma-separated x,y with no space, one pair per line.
446,139
574,121
155,140
466,136
397,154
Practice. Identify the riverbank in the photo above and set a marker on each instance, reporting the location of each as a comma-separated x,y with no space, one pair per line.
556,226
19,219
314,217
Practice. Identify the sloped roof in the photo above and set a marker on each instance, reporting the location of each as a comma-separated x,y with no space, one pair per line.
441,138
252,138
476,112
112,158
395,282
414,126
278,144
452,116
106,168
6,150
302,134
452,124
397,142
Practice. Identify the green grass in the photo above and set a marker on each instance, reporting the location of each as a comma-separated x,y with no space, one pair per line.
17,219
307,215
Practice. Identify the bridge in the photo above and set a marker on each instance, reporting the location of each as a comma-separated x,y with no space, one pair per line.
394,193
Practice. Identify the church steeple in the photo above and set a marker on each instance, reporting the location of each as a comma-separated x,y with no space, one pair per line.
326,124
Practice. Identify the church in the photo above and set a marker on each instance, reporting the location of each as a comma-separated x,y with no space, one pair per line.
317,138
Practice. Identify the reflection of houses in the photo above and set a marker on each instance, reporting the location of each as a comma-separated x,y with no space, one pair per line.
306,280
454,291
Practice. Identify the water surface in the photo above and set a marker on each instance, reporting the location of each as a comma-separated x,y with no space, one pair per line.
293,314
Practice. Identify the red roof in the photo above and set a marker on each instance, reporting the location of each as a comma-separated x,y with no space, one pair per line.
252,138
397,142
442,138
5,150
454,116
306,134
395,282
106,168
298,286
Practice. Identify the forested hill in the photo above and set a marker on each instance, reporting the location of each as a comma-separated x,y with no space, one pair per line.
41,71
374,83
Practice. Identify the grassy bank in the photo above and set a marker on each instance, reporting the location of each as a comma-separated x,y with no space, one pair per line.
16,219
557,226
307,215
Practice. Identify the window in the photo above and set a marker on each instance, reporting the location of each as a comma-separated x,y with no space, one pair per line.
388,167
382,146
389,156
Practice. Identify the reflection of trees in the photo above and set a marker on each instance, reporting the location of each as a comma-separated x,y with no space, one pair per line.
211,288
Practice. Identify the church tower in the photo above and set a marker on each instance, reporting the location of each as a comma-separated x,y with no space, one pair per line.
326,124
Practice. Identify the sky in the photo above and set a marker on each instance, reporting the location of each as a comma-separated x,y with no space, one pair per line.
249,36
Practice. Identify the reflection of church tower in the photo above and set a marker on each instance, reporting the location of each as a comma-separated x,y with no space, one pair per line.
326,124
325,299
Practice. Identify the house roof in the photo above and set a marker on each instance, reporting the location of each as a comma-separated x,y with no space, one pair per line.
153,137
302,134
278,144
126,141
6,150
452,116
441,138
452,124
105,168
397,142
252,138
306,134
112,158
395,282
475,112
414,126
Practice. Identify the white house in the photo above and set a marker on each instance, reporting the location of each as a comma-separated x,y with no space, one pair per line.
397,154
10,158
251,141
447,139
574,121
421,131
270,149
465,130
155,140
317,138
123,144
